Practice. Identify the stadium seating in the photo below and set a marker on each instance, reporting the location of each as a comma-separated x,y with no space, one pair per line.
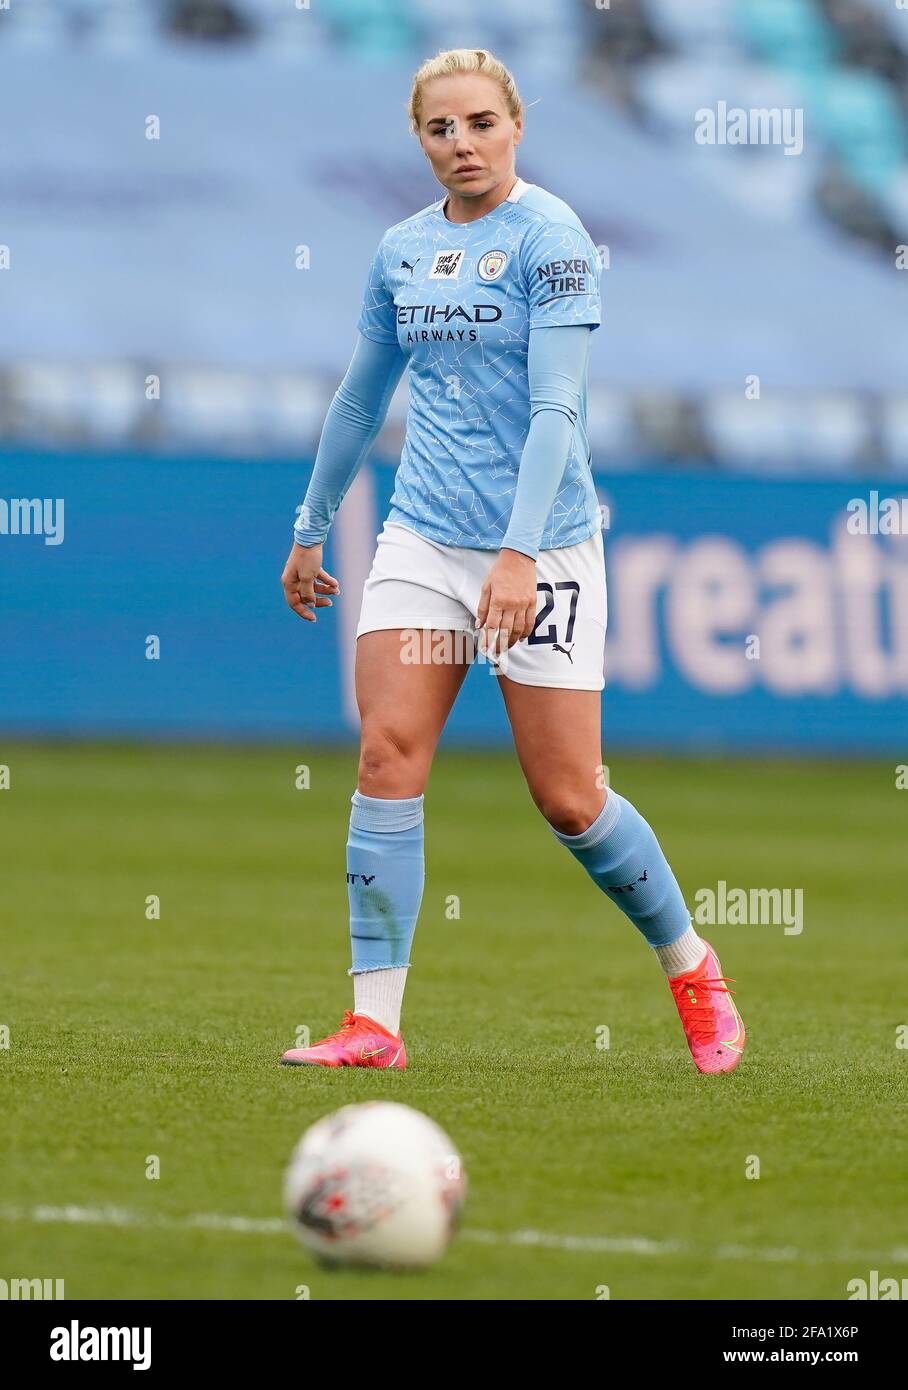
721,257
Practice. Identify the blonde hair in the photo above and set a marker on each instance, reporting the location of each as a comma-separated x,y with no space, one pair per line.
452,60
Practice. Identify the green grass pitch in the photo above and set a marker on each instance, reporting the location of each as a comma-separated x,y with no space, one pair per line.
588,1167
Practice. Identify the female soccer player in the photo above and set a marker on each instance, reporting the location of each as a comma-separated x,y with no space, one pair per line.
490,296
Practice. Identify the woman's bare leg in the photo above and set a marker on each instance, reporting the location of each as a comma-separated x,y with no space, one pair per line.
403,707
558,742
557,735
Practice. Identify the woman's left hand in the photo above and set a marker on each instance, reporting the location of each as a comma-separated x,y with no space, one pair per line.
507,602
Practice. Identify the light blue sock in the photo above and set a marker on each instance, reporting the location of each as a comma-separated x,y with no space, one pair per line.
622,856
385,875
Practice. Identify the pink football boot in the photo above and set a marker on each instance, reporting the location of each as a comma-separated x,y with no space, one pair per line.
359,1042
712,1024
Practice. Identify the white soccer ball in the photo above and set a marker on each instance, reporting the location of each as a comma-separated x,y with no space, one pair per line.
375,1184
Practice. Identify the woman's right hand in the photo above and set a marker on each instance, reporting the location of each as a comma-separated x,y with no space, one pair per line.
306,585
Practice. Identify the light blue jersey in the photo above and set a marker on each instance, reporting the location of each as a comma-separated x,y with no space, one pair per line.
460,300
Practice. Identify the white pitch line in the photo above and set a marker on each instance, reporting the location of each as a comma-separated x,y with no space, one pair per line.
119,1216
543,1240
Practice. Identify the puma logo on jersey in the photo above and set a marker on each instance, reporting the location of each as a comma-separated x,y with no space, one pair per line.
405,265
557,647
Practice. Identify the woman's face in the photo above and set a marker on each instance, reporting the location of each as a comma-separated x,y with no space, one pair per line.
467,133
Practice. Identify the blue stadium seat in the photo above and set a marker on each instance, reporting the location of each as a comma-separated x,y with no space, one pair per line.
373,28
859,115
761,177
822,433
894,432
789,33
703,30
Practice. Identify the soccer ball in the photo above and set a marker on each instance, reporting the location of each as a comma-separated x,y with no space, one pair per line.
375,1184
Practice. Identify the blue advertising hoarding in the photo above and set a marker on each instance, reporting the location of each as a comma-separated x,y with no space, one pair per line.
140,596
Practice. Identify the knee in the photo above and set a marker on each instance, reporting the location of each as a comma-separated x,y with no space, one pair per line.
568,811
389,763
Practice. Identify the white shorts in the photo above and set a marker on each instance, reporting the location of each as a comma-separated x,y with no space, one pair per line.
418,585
